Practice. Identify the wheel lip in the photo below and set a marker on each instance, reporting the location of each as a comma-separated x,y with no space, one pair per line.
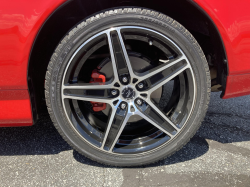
129,102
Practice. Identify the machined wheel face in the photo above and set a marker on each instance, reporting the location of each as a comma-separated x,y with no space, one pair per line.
128,93
127,87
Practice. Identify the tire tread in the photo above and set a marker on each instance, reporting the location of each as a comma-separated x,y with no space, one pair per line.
153,14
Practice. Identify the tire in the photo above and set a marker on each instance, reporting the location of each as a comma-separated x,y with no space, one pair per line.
171,126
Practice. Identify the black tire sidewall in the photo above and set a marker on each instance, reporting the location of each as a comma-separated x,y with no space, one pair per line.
71,43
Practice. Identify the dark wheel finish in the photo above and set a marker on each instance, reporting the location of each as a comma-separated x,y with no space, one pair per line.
156,91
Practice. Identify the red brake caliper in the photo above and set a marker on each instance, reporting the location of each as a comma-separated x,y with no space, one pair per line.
98,78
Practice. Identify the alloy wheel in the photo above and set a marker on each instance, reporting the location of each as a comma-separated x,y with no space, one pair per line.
128,92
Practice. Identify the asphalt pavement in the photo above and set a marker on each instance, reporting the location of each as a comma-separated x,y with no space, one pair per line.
218,155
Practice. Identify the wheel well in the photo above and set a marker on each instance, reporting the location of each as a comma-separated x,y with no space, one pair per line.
70,13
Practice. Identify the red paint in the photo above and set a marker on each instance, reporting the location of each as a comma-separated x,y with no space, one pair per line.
15,108
237,85
97,77
20,21
233,22
101,79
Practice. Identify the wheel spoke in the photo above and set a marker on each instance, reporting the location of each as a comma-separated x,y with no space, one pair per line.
87,86
110,122
119,57
84,98
156,118
117,121
130,69
88,92
170,71
160,68
156,109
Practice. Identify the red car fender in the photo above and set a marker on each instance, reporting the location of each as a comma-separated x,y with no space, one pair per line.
20,22
233,22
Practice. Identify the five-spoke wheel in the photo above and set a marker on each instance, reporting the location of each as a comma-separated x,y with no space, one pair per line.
128,90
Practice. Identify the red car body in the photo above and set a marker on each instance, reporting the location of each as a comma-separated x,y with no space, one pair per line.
20,22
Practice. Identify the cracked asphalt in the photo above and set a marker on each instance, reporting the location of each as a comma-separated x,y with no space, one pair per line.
218,155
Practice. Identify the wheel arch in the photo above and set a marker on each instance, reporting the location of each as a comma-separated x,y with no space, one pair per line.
73,11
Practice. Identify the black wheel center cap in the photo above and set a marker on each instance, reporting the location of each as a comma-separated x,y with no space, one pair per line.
128,93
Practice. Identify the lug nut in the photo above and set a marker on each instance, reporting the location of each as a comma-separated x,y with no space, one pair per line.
114,92
139,102
123,106
150,42
125,79
140,85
